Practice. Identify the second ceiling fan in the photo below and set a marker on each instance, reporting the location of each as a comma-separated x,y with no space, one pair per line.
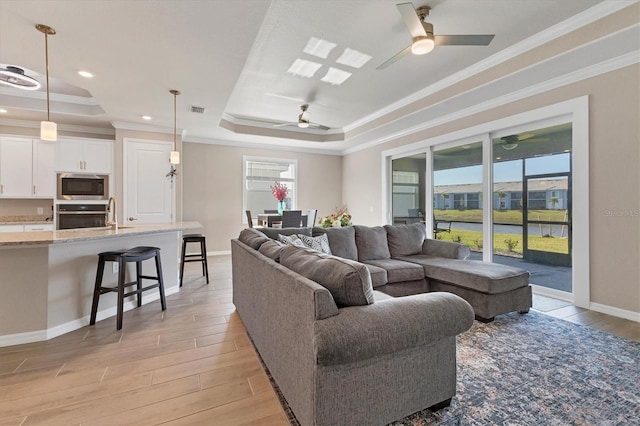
423,37
303,121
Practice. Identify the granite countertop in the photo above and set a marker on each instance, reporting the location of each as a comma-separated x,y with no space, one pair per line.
25,220
86,234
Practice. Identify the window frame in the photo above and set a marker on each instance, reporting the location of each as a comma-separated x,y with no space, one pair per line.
249,158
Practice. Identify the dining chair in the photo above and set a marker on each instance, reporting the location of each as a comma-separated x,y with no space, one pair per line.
249,218
270,211
310,219
291,218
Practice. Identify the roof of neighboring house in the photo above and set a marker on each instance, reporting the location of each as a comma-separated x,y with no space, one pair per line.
534,185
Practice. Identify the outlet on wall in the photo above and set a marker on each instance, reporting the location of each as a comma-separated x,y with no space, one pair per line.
40,210
114,267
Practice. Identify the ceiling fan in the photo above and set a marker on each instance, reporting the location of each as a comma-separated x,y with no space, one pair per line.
303,120
423,38
511,141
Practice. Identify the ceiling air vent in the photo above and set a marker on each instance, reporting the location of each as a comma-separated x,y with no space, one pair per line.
197,109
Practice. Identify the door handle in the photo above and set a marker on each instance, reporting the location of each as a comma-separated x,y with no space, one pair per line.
131,219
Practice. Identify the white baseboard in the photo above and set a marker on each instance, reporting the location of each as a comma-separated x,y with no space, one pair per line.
50,333
616,312
219,253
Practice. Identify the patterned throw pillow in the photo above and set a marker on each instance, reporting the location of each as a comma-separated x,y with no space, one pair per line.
293,240
319,243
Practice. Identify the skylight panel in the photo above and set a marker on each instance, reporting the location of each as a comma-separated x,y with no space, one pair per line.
353,58
335,76
304,68
319,47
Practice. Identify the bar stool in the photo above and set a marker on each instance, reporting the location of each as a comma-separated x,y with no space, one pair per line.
137,255
196,257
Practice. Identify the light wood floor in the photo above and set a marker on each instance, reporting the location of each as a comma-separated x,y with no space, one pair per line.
192,365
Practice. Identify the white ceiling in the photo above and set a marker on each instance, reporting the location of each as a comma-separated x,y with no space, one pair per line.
232,57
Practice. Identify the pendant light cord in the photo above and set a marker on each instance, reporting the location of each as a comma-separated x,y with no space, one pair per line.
46,58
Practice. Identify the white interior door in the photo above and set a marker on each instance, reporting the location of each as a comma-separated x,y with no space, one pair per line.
149,193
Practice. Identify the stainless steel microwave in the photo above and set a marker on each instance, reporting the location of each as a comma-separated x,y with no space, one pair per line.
81,186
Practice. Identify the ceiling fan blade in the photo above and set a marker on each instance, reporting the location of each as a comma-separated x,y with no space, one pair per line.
395,58
464,40
285,124
411,19
318,126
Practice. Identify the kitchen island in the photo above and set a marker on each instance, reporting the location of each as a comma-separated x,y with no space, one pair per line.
47,278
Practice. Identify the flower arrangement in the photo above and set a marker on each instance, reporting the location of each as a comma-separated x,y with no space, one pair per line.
336,220
279,190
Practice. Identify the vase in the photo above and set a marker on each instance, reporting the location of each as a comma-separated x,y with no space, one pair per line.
282,205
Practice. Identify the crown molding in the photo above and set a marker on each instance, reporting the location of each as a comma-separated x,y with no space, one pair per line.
554,83
140,127
271,146
55,97
61,127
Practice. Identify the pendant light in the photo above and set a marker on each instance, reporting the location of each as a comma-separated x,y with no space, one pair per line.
48,129
174,157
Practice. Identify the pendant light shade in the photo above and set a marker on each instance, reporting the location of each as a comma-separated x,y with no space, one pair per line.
175,157
48,129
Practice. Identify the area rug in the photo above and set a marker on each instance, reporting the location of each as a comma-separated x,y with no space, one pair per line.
534,369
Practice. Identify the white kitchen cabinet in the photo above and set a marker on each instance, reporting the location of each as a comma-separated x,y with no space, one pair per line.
11,228
44,177
26,168
16,167
33,227
83,156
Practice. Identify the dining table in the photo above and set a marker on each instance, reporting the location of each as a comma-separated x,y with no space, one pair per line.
268,219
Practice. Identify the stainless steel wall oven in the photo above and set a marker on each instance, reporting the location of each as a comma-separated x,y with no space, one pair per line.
71,216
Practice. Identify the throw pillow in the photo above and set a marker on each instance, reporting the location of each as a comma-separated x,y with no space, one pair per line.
271,249
319,243
372,243
349,282
293,240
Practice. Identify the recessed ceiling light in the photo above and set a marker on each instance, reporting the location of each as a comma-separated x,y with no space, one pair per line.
304,68
3,111
353,58
335,76
147,117
85,74
318,47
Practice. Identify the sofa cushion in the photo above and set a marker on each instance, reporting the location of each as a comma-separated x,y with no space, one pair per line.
319,243
274,232
271,249
405,240
490,278
252,237
341,240
371,242
378,275
398,270
349,282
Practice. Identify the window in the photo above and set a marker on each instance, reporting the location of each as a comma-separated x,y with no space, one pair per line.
259,175
406,192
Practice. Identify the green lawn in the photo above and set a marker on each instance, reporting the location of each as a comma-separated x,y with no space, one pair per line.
473,239
506,216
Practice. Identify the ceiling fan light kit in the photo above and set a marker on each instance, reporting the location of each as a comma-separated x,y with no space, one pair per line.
48,129
422,45
15,77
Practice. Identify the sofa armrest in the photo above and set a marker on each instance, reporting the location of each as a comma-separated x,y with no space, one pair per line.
448,249
389,326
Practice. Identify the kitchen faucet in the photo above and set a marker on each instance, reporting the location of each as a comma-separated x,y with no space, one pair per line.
113,213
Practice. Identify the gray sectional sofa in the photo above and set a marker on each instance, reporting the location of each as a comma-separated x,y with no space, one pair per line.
340,344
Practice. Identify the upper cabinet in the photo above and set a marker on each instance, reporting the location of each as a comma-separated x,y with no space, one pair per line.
26,168
83,156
